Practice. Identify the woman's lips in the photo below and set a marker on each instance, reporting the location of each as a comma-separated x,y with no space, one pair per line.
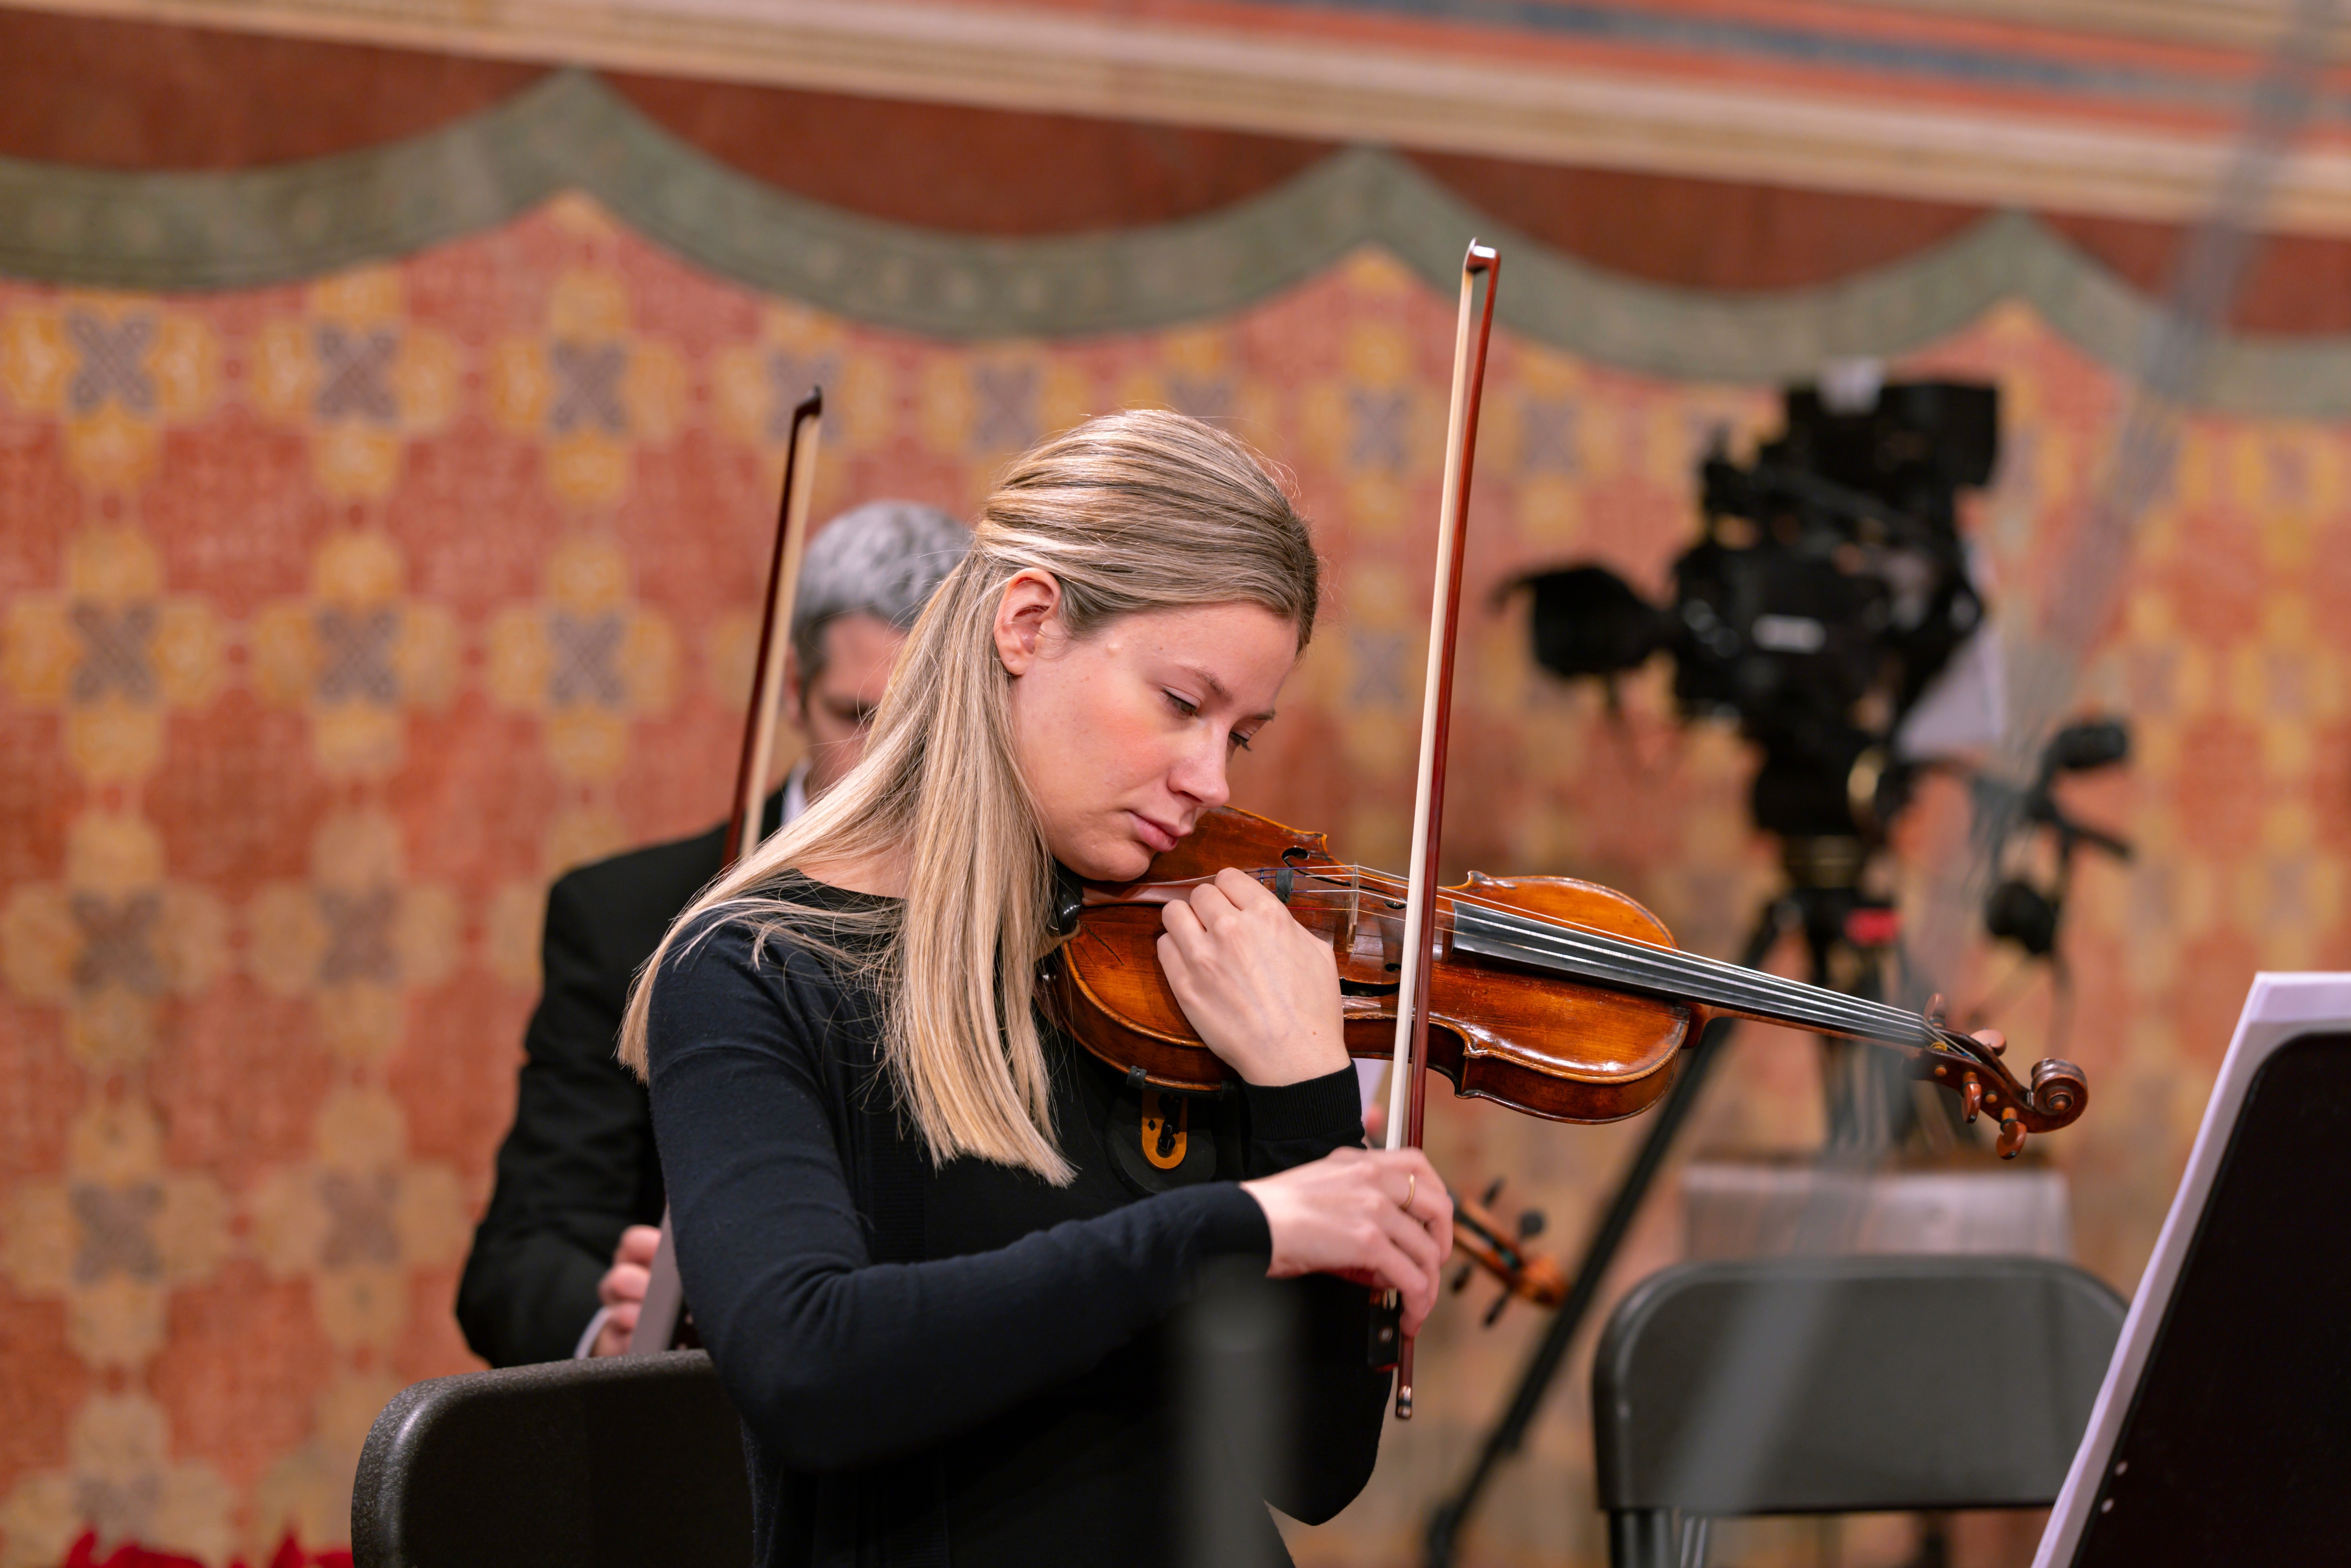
1156,836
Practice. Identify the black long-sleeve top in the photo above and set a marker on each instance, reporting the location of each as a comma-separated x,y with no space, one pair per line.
965,1360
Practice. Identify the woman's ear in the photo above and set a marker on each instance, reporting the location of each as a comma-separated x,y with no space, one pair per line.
1031,602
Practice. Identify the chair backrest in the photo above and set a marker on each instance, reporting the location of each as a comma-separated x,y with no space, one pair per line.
1848,1385
573,1464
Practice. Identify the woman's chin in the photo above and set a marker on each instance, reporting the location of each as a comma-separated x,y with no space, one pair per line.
1110,863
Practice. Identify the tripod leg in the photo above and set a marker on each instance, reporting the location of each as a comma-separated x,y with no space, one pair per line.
1607,1237
1868,1098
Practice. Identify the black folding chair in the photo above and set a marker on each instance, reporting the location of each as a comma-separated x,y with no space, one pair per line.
575,1464
1846,1384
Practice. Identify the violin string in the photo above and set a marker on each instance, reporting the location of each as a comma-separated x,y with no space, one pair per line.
1730,983
1605,957
1651,967
1666,969
1634,965
1812,1000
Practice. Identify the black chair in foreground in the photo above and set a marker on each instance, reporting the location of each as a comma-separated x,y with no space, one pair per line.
614,1463
1845,1384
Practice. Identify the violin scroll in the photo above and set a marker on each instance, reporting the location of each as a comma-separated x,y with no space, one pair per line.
1972,1069
2059,1088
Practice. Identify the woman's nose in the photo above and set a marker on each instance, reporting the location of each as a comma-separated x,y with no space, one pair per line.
1200,775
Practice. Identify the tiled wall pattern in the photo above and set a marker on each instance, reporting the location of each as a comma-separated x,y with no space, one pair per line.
339,619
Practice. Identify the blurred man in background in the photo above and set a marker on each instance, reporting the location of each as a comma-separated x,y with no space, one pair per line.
559,1261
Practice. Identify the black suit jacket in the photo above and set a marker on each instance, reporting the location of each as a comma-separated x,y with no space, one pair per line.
578,1165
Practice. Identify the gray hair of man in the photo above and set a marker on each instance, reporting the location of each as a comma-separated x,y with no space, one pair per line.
883,559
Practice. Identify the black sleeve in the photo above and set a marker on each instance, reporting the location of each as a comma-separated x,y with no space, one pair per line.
1342,1405
577,1167
833,1360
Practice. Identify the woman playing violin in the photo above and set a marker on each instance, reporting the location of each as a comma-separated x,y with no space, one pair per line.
934,1267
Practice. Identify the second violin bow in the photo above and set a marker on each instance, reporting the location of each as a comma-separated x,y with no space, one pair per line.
664,1303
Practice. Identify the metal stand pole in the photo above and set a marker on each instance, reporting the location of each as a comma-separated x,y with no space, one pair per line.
1600,1251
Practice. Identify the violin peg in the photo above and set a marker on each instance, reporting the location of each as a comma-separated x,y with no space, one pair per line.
2011,1138
1971,1098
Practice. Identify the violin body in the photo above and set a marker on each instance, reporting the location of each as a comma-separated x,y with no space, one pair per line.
1559,1051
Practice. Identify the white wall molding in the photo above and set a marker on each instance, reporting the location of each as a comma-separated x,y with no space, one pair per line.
1072,62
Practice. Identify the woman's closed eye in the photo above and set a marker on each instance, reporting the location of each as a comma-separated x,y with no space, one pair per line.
1186,709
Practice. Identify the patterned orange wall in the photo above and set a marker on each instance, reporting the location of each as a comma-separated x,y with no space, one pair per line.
339,619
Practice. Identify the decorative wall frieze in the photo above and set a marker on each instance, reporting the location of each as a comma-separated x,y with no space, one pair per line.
303,221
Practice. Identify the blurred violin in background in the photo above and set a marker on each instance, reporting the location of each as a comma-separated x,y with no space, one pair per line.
1500,1249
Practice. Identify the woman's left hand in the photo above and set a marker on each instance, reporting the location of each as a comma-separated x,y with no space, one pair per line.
1262,989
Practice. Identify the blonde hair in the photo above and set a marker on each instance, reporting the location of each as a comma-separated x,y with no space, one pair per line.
1134,511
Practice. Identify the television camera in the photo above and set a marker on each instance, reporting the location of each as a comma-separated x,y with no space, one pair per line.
1828,588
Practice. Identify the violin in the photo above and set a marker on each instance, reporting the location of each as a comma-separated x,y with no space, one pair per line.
1554,996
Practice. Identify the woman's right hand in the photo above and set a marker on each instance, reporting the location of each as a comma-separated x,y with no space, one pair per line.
1346,1214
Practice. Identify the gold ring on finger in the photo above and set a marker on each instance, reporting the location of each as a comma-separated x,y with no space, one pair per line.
1411,1186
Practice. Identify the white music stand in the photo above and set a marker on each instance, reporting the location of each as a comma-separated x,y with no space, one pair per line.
2241,1324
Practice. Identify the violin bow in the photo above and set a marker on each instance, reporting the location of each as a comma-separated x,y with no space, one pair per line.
1407,1082
774,630
664,1303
